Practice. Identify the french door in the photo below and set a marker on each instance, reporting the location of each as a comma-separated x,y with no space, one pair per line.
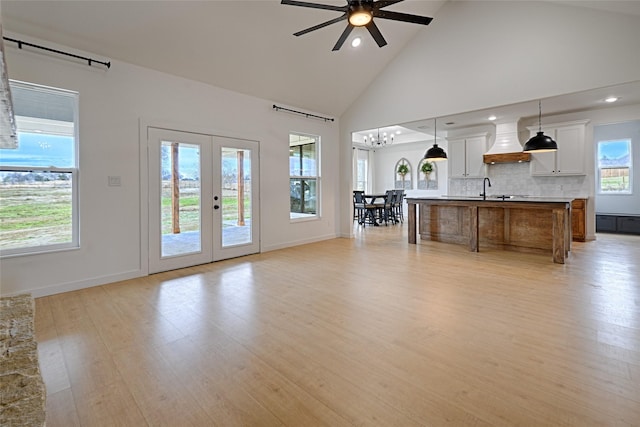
203,198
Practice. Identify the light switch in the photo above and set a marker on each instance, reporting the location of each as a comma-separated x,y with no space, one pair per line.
114,181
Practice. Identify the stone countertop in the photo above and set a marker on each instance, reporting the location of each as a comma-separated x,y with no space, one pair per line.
499,198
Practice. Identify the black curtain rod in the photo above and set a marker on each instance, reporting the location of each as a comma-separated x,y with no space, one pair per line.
90,61
275,107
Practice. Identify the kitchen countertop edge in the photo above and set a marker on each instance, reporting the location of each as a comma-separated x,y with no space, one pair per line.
528,199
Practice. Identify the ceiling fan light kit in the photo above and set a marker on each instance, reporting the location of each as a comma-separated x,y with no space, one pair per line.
359,13
359,16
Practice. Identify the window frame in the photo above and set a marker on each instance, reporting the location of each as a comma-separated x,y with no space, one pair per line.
74,170
600,169
362,166
301,216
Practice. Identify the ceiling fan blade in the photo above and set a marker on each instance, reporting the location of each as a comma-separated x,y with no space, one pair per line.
324,24
384,3
396,16
376,34
343,37
315,5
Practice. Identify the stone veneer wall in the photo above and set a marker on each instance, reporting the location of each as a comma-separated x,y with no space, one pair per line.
22,391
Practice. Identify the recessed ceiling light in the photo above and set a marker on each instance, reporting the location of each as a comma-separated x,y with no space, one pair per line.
398,132
356,42
492,117
611,99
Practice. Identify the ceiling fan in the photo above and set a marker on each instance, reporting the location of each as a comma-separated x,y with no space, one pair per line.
360,13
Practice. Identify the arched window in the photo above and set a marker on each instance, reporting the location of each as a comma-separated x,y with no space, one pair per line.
402,173
427,175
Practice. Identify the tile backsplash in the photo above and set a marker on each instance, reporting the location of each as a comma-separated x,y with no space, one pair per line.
515,179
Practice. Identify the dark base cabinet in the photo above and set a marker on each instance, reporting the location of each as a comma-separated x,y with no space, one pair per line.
629,224
606,223
618,224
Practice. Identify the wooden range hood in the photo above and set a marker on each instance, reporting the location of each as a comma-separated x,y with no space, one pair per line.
518,157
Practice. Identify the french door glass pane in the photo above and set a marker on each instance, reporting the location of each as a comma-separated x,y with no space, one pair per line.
180,201
236,196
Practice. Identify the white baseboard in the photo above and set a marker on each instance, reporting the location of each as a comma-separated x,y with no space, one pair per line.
82,284
102,280
298,242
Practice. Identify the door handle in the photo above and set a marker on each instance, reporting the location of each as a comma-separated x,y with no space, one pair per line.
216,207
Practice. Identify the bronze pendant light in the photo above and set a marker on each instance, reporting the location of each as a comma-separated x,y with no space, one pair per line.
541,142
435,153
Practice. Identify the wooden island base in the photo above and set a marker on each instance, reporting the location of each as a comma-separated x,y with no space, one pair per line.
529,225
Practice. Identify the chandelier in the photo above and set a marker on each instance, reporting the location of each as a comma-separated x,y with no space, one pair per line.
378,141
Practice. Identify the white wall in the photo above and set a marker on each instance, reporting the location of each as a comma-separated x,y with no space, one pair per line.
387,158
112,220
621,204
481,54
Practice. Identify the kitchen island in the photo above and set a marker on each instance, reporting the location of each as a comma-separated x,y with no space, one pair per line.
526,224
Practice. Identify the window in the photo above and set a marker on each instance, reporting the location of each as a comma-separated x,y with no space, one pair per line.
304,175
361,176
614,166
39,179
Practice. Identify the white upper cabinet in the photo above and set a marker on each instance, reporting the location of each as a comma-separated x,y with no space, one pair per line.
465,156
457,158
569,159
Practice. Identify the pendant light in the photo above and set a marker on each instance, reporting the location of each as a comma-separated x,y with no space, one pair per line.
435,153
541,142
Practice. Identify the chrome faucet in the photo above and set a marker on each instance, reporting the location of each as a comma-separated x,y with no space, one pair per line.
484,188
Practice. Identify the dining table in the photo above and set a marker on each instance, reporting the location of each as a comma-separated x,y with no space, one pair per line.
371,198
373,205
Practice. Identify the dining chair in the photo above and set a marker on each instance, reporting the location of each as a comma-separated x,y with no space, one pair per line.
389,207
358,207
365,211
398,206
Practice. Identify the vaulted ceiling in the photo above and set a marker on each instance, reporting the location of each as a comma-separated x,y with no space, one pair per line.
242,45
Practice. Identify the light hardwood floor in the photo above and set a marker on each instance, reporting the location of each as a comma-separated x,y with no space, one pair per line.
364,331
